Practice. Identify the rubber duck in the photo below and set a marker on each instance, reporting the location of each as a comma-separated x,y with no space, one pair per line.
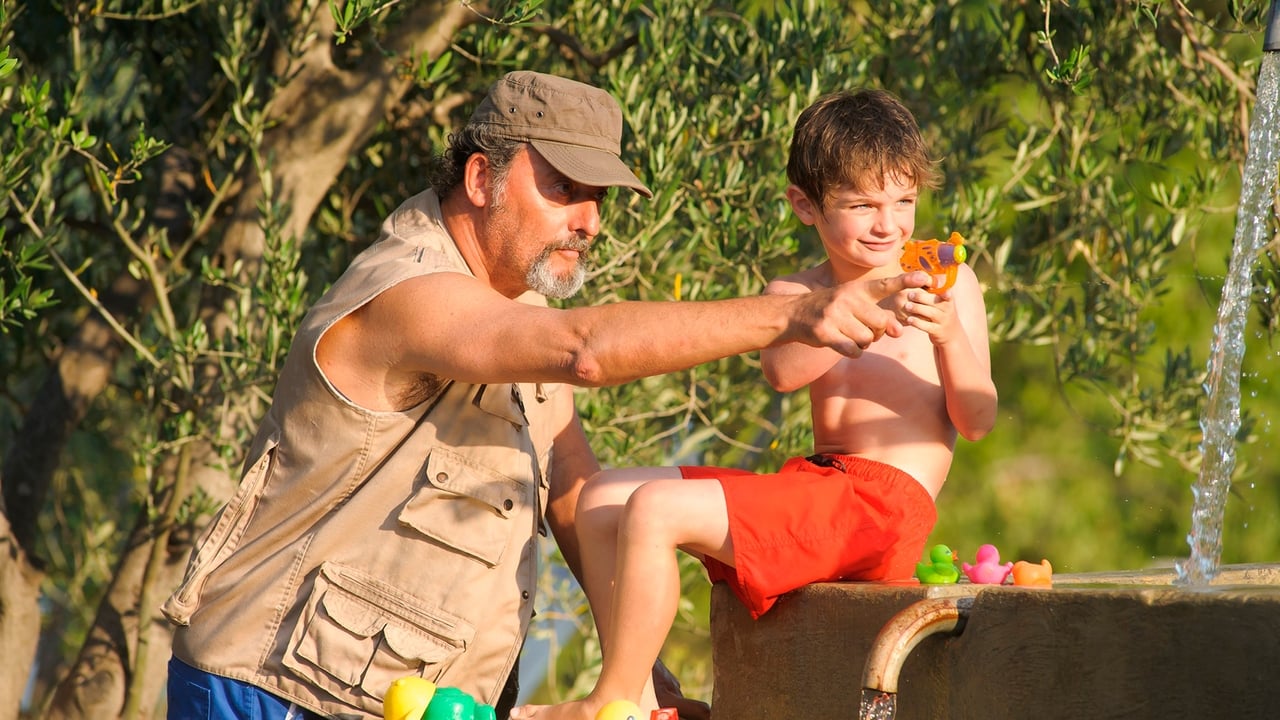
987,569
941,568
408,698
1030,574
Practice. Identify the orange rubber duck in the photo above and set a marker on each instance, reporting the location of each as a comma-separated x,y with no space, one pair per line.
1032,575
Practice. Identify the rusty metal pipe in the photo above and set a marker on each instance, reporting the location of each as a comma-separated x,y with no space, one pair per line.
904,631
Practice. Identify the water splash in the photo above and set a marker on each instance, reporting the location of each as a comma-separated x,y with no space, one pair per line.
878,705
1220,420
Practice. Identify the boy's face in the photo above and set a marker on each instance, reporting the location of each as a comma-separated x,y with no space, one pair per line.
863,228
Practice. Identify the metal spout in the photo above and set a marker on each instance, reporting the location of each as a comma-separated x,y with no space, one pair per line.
904,631
1271,39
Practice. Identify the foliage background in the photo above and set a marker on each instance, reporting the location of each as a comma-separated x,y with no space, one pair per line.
181,180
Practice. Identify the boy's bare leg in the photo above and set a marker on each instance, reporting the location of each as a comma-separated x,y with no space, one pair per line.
661,515
600,509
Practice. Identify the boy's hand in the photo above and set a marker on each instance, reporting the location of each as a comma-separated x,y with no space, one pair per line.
934,314
847,317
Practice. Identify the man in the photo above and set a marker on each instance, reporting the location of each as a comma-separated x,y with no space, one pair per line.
423,424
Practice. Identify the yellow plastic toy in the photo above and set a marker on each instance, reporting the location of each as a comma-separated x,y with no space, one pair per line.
619,710
407,698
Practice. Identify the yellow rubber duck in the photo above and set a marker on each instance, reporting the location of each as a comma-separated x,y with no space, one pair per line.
407,698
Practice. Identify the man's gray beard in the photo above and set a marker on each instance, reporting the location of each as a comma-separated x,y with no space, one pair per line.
542,280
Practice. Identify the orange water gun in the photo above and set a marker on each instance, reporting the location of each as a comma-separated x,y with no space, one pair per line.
939,259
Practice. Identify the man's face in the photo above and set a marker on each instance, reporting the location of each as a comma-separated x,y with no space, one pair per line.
541,225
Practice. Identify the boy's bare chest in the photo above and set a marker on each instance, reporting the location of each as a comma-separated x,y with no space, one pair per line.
889,357
886,372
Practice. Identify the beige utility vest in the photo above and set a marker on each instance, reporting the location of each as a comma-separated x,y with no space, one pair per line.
366,546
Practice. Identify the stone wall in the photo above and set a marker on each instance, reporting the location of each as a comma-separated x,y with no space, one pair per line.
1124,645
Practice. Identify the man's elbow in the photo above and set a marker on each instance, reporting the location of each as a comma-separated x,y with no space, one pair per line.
587,365
586,370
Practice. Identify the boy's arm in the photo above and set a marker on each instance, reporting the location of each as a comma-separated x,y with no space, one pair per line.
957,324
791,366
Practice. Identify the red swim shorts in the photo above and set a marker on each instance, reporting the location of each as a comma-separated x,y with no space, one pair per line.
842,517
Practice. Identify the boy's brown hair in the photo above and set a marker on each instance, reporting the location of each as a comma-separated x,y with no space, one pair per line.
854,140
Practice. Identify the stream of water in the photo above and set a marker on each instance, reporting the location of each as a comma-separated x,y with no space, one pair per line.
1220,419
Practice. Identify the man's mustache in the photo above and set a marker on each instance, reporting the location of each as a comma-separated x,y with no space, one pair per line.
581,245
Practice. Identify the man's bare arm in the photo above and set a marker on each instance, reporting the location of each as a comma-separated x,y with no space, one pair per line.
450,325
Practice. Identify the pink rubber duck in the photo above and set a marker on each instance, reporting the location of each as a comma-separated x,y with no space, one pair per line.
987,569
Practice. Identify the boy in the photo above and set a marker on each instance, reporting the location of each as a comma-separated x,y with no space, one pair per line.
884,423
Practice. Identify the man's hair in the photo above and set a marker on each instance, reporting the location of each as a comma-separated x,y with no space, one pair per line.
854,140
447,168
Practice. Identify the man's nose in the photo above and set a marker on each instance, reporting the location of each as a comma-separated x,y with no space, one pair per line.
586,218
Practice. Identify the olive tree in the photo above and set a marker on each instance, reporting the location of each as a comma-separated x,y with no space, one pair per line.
181,180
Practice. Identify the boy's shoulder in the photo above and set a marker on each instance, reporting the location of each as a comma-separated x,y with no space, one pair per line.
814,278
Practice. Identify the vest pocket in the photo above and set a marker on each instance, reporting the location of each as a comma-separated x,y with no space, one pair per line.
220,539
465,507
359,632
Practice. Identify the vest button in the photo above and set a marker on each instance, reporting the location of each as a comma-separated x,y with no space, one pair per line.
508,504
524,594
442,477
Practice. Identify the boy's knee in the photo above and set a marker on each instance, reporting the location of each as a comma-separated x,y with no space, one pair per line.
652,503
598,492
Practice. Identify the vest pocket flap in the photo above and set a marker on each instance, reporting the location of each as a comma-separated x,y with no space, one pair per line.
364,605
357,616
450,471
410,642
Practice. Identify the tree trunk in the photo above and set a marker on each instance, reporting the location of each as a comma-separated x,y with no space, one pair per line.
78,375
19,617
327,116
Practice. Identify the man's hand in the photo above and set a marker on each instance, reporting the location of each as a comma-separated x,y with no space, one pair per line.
667,689
848,317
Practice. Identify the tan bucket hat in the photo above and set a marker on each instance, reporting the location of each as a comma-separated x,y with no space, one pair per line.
576,127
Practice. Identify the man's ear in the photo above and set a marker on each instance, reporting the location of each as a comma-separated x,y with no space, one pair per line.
475,180
802,205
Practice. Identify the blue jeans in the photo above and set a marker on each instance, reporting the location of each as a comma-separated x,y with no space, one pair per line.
198,695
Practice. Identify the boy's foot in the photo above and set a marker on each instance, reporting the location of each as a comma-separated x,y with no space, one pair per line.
576,710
